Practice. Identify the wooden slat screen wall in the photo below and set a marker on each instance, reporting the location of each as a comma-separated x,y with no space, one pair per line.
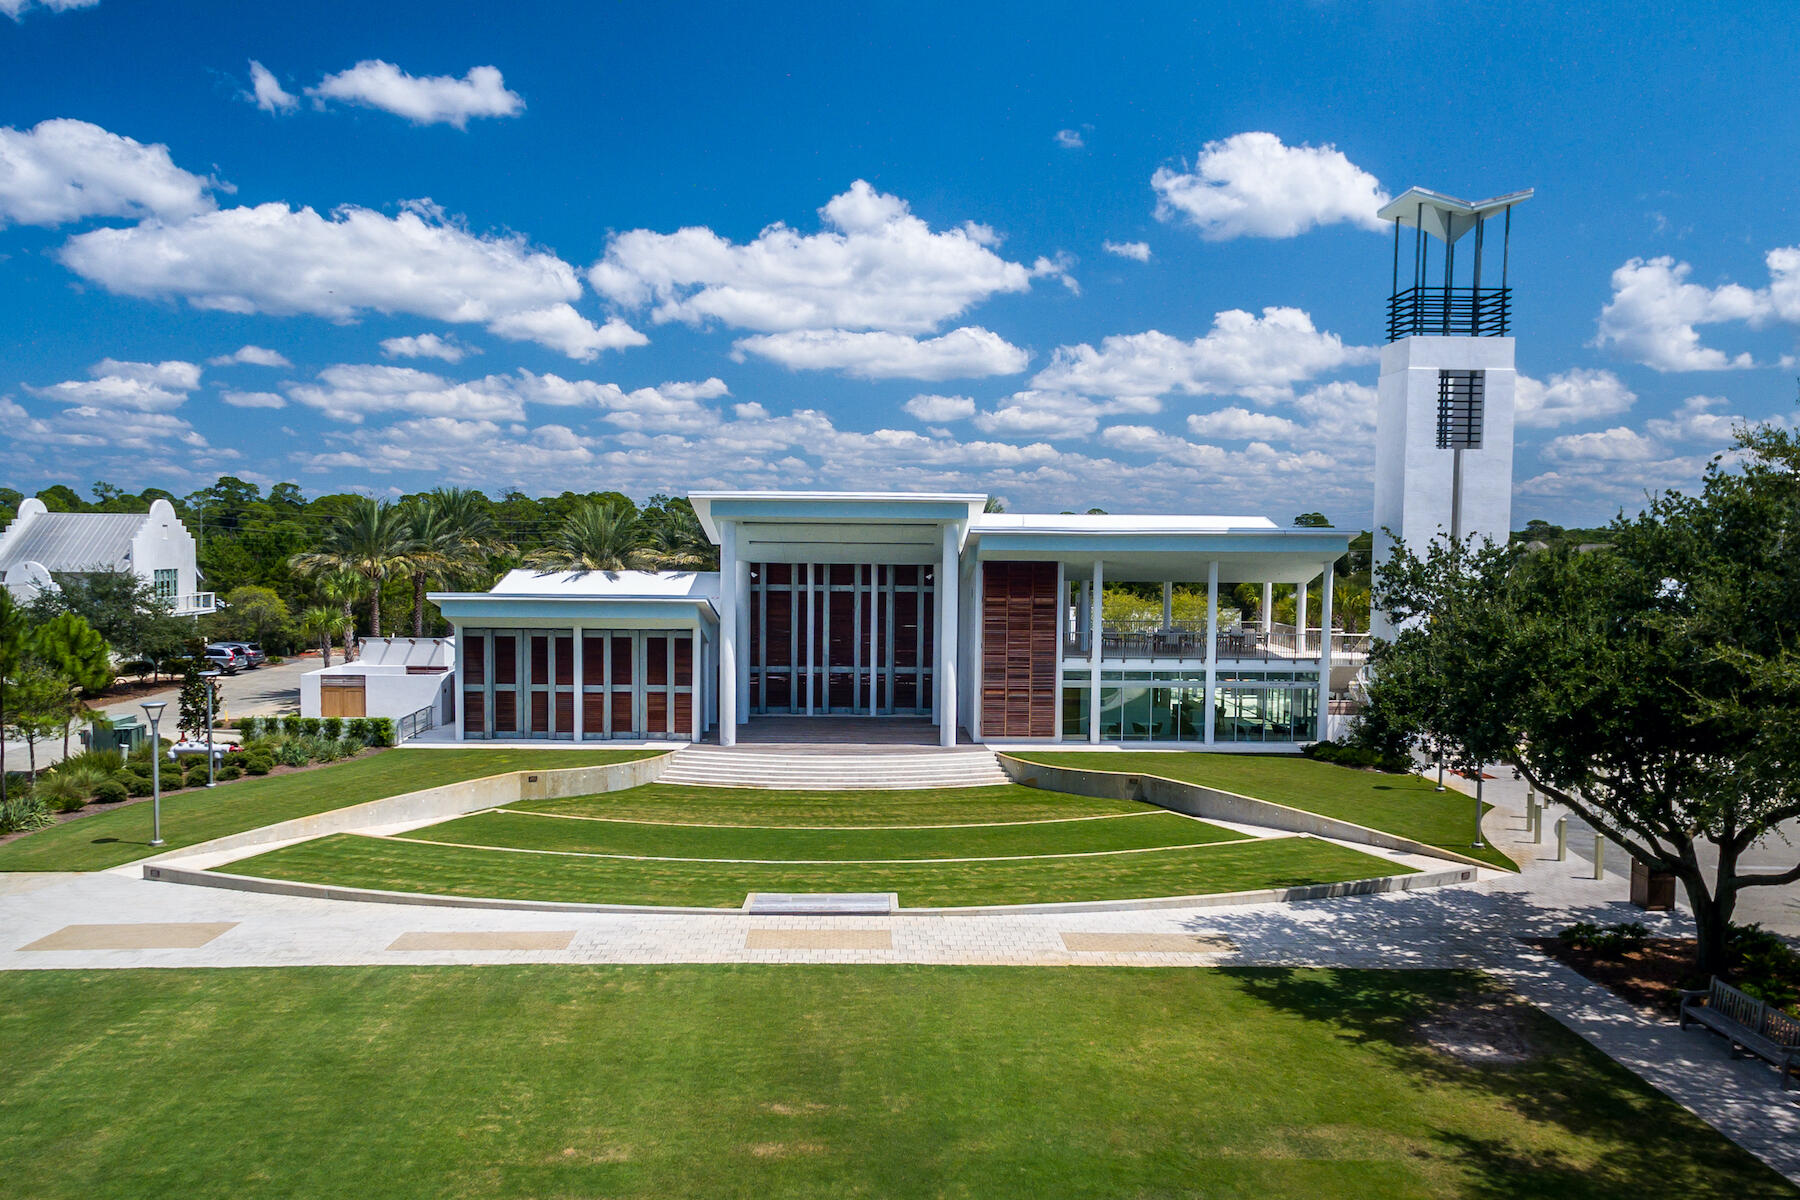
1018,649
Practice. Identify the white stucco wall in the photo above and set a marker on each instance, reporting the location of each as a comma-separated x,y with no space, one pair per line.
163,543
388,691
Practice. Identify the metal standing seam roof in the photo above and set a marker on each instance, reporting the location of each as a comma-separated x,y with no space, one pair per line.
75,541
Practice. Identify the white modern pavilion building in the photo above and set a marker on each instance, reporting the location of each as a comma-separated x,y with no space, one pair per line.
871,605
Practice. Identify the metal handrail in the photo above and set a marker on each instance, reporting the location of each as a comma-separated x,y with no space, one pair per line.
415,723
1449,312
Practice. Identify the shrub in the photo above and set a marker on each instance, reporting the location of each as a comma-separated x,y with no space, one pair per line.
1764,965
309,726
81,774
62,792
229,772
111,792
136,785
1608,941
332,727
250,727
292,754
137,666
381,731
350,747
358,728
22,811
258,764
275,660
290,724
99,764
1345,754
193,771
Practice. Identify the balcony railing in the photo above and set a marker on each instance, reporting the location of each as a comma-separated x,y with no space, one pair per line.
195,604
1280,642
1449,312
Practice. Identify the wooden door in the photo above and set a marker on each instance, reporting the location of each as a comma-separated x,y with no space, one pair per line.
342,696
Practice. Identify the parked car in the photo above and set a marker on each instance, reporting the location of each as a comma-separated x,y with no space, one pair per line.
188,748
253,655
228,659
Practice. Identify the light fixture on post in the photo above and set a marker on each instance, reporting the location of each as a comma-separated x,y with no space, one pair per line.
154,710
209,676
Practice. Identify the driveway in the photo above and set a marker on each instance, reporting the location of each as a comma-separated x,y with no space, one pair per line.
258,693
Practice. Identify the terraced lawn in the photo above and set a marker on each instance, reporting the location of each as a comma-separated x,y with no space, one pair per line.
409,866
532,831
1406,805
494,1082
757,806
121,835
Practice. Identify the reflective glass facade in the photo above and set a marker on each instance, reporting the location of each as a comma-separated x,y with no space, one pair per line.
1170,707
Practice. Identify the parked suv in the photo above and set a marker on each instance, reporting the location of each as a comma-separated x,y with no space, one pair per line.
228,659
251,652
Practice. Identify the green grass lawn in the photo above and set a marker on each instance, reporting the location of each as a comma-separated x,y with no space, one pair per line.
123,834
391,1083
1401,804
759,806
350,860
533,832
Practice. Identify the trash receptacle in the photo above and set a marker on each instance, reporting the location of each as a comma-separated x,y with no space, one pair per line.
128,733
1652,891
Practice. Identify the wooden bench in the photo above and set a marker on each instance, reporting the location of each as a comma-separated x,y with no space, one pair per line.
1747,1023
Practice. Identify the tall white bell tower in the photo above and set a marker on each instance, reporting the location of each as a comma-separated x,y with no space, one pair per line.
1444,420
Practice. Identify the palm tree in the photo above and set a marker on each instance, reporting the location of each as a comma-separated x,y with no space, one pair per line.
452,532
321,621
674,539
370,539
344,588
594,537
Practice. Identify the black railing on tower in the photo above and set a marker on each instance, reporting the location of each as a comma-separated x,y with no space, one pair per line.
1449,312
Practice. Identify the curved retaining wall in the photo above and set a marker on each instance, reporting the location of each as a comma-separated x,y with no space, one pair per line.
437,803
1198,800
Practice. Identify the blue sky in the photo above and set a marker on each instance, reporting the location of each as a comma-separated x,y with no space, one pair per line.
657,248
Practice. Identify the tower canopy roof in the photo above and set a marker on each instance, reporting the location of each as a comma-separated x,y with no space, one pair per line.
1445,217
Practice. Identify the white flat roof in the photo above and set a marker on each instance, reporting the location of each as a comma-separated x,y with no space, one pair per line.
1114,523
610,585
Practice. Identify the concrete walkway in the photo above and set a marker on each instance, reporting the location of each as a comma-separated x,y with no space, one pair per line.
117,919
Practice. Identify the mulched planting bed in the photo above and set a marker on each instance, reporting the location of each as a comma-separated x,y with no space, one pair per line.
1649,977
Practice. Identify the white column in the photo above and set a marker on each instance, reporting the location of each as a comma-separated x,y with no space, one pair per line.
949,584
1082,614
1300,617
977,600
1168,603
1212,646
811,639
580,694
1268,609
462,666
728,611
743,627
696,658
1325,649
1096,626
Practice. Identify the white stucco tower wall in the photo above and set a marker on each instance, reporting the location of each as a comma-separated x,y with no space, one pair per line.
1413,476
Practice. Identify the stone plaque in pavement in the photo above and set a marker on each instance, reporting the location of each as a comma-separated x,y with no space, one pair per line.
822,903
178,935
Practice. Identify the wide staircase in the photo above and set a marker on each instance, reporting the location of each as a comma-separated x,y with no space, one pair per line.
833,768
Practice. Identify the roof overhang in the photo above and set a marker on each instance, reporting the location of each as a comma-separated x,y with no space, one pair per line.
877,527
524,608
1244,556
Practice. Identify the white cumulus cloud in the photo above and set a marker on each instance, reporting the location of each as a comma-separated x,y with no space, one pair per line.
266,90
63,170
940,408
256,356
253,399
1617,444
422,99
1575,395
273,259
136,386
962,353
1254,185
1654,311
16,9
1070,139
1259,357
426,345
1240,424
875,266
1136,251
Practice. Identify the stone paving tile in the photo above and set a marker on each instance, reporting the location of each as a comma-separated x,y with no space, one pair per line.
149,935
819,939
1149,943
485,939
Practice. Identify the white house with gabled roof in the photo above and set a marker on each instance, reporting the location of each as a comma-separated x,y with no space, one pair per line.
882,604
155,546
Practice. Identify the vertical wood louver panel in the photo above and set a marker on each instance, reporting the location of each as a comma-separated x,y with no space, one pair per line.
1018,649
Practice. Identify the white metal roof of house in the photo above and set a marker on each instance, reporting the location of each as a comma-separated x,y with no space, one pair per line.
72,541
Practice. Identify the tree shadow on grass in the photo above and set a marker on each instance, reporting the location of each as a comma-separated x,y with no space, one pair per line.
1640,1140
